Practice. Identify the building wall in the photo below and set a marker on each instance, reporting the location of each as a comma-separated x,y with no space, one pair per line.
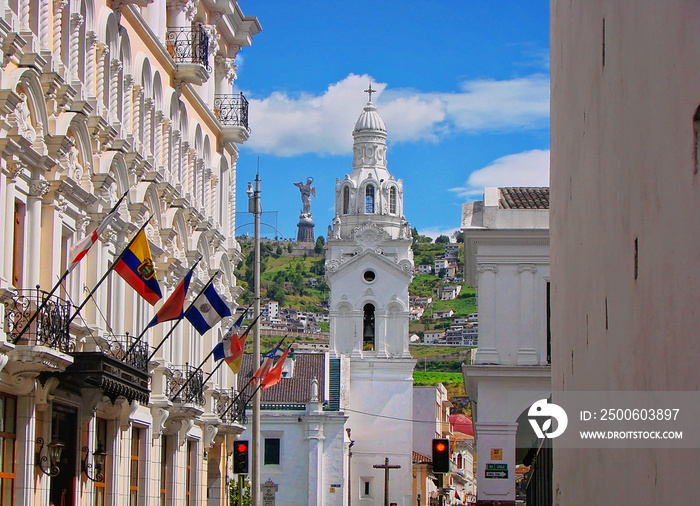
625,193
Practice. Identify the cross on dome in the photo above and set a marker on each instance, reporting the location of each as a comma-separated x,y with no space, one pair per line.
369,91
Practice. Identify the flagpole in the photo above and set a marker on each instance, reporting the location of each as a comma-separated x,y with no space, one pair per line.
58,283
211,280
138,339
111,268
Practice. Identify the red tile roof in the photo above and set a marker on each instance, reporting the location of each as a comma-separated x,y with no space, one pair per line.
421,459
297,389
523,198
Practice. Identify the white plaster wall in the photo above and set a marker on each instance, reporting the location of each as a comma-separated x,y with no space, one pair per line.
381,392
622,169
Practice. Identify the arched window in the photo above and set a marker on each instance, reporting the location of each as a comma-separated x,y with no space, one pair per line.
369,199
368,328
346,200
392,200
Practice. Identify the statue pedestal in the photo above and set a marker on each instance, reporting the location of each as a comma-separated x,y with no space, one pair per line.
305,229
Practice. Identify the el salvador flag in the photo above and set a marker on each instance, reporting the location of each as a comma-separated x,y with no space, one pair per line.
207,310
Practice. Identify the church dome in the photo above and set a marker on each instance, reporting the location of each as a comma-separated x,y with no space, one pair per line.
370,119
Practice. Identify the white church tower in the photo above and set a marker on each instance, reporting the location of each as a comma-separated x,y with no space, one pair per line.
369,265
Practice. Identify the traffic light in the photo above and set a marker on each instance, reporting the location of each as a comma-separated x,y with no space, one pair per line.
441,455
240,457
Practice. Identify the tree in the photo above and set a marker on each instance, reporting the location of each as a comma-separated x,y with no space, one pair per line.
458,236
320,242
290,248
278,252
442,239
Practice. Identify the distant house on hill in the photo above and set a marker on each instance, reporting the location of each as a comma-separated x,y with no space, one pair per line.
443,313
450,292
432,336
425,269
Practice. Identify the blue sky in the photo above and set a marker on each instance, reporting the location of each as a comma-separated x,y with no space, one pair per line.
463,90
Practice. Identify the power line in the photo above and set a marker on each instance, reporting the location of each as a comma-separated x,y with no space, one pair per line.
393,417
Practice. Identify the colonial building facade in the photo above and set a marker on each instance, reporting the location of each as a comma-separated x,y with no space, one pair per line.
506,239
98,100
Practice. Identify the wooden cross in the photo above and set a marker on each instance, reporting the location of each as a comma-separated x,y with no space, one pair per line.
386,468
370,91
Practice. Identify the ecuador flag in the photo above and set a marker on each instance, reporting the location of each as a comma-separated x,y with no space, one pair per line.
137,269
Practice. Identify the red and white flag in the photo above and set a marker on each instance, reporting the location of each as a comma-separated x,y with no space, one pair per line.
80,249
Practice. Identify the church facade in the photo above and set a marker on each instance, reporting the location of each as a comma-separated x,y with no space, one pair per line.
369,265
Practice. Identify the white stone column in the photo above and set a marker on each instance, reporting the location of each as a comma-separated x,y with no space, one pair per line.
102,55
115,69
13,170
128,105
24,8
158,141
166,157
138,92
25,463
486,352
176,168
76,21
58,6
90,41
37,189
147,127
44,22
495,436
527,355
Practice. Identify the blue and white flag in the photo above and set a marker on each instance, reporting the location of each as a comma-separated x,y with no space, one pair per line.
207,310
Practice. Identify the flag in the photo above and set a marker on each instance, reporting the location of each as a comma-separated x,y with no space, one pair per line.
207,310
80,248
275,374
457,496
265,366
234,358
136,267
173,308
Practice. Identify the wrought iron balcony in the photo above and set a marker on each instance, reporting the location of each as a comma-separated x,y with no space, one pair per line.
49,327
231,110
193,382
230,407
189,45
111,370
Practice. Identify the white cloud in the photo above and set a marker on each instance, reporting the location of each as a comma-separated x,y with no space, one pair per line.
435,232
287,126
529,168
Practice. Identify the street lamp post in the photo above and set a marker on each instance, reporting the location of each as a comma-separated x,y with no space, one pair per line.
254,207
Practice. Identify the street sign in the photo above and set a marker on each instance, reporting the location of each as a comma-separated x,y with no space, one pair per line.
496,471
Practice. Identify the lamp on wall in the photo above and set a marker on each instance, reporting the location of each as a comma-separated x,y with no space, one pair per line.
98,456
54,448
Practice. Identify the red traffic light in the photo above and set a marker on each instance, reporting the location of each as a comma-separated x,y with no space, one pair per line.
241,447
441,447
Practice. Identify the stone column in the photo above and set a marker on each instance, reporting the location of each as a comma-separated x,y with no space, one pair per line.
158,141
24,9
76,21
44,21
495,491
58,6
115,69
176,168
138,92
527,355
147,127
13,170
102,55
167,158
37,189
128,105
487,352
25,463
90,41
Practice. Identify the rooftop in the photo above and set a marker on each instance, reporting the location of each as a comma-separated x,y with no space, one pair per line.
523,198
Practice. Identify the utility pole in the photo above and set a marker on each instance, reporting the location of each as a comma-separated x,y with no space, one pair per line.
386,468
254,207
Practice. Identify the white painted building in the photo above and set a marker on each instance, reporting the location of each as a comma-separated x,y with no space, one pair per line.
369,265
507,260
425,269
432,336
302,431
